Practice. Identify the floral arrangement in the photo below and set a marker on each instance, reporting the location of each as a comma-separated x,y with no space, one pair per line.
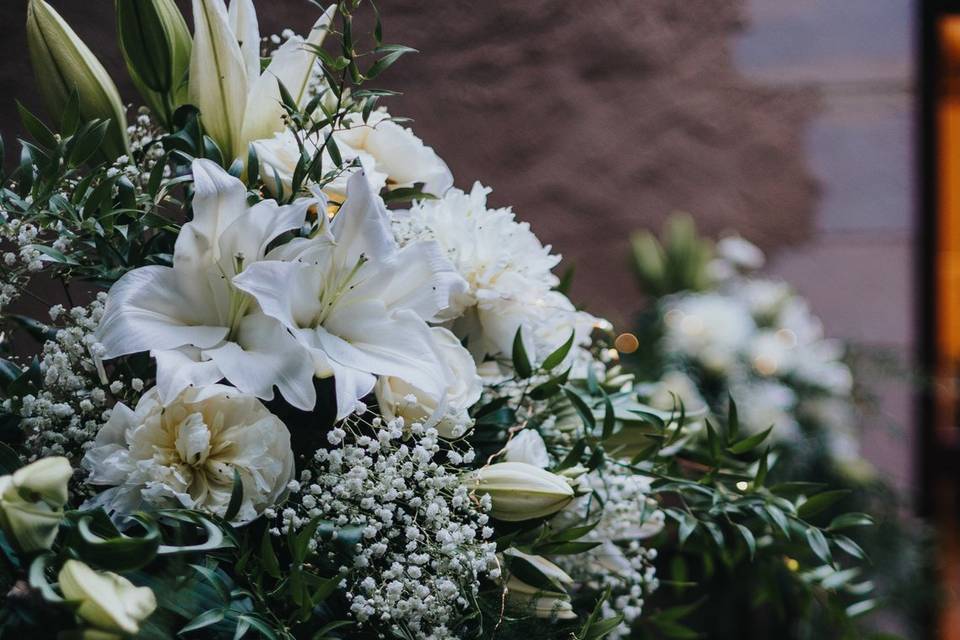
718,329
300,386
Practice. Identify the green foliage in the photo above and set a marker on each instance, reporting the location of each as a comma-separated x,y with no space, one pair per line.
676,262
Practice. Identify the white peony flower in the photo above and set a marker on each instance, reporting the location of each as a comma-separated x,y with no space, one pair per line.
448,412
397,152
709,328
527,446
508,272
191,317
187,452
357,304
109,602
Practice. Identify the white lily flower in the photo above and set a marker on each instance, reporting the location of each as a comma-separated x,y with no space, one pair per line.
193,320
527,446
239,104
358,304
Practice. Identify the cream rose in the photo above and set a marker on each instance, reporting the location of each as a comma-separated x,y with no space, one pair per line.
187,453
447,412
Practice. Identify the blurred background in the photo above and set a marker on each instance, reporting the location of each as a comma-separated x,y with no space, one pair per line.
822,131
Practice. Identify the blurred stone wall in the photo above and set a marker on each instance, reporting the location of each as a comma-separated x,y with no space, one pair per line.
591,119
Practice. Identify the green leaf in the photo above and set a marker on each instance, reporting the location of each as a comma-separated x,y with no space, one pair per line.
555,358
582,409
748,537
268,559
39,131
236,497
749,443
820,502
761,477
848,520
609,418
850,547
390,54
521,362
205,619
120,553
819,545
9,460
733,420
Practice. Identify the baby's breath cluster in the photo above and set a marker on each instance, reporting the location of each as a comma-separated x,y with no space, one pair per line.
63,417
424,536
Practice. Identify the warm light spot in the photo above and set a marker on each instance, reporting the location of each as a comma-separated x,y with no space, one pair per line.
332,209
743,485
612,354
626,343
792,564
765,365
788,337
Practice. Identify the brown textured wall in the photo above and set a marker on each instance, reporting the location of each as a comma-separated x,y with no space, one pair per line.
591,119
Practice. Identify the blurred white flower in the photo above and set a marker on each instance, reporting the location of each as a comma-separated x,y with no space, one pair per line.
108,602
765,298
527,446
356,304
709,328
765,404
448,412
187,452
741,253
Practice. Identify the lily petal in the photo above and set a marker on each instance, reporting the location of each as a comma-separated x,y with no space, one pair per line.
218,74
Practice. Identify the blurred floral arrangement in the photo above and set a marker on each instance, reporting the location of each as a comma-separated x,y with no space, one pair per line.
303,387
717,329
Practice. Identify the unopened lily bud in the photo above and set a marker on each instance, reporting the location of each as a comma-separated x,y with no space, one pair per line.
46,480
64,64
31,503
156,45
108,602
521,491
527,599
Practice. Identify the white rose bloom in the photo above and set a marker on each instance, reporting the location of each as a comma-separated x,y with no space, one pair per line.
397,151
527,446
186,453
280,155
508,272
765,298
448,412
709,328
356,304
192,318
820,364
741,253
766,404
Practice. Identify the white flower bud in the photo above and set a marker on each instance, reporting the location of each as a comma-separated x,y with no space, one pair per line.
31,503
521,491
106,601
